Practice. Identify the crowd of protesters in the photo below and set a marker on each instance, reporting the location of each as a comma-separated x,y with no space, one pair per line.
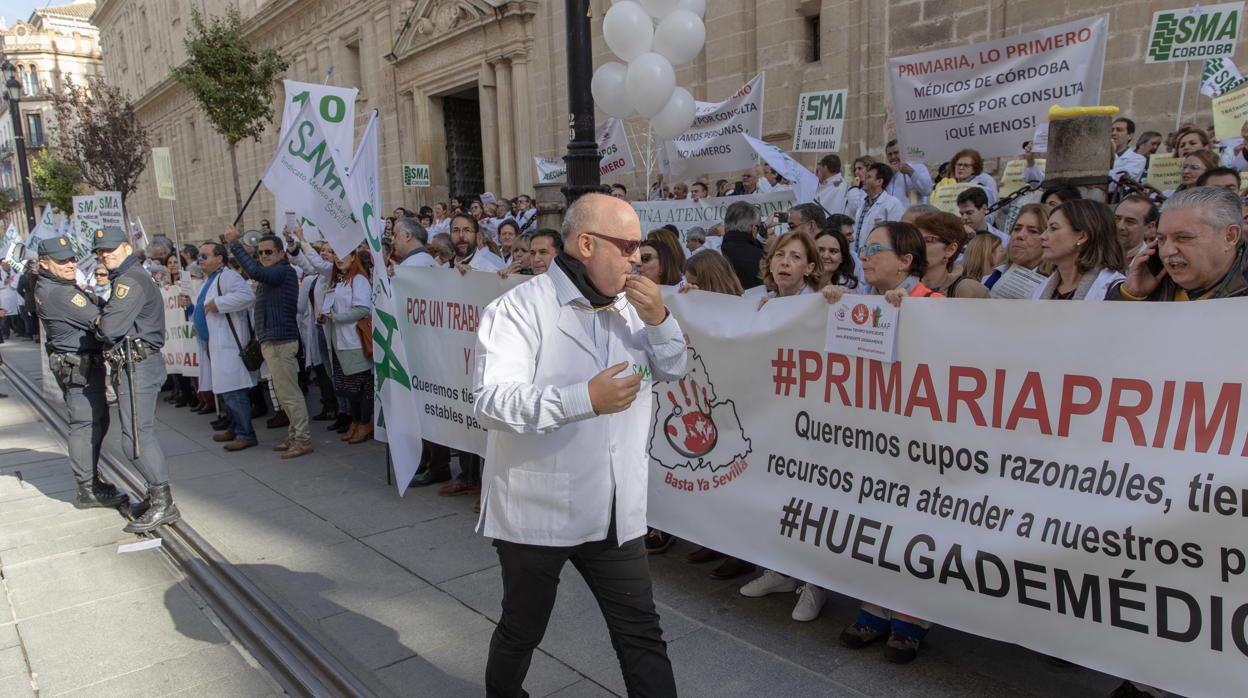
304,313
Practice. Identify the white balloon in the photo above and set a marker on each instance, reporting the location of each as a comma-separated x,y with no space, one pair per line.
675,117
651,81
609,89
658,9
697,7
680,37
628,30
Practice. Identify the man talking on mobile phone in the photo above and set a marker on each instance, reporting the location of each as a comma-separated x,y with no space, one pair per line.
564,367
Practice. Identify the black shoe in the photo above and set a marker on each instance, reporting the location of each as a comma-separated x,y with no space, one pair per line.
182,401
325,416
430,479
340,425
658,542
277,421
204,409
90,497
222,423
106,491
161,511
732,568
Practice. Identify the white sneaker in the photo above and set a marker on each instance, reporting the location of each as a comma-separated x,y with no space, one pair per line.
810,600
769,583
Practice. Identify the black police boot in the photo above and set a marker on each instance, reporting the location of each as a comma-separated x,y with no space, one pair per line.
107,493
161,511
92,498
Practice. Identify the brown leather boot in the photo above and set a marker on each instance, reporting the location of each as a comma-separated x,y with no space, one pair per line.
350,431
362,434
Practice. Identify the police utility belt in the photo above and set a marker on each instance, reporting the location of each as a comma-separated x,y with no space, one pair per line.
74,369
126,351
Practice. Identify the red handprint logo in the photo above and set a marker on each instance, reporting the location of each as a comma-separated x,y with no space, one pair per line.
689,428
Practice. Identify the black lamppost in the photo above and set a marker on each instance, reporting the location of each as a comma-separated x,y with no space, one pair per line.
582,158
13,93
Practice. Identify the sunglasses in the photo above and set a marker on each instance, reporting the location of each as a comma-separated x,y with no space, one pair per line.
266,253
627,247
203,256
875,248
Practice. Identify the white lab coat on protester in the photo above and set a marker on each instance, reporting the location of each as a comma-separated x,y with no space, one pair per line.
315,266
306,311
220,366
552,467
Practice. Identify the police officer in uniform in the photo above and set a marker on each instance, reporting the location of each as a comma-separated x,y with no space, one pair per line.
132,326
74,355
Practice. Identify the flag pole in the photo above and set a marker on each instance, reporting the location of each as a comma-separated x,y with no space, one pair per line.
247,203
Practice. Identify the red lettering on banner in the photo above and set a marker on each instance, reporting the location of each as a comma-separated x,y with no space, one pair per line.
1225,409
970,397
1129,413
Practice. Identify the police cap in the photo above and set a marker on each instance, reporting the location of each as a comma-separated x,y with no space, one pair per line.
107,238
56,247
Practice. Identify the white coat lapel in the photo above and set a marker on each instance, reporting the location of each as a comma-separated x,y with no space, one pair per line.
572,326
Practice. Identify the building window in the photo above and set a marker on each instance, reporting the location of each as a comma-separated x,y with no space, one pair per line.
34,130
33,74
812,39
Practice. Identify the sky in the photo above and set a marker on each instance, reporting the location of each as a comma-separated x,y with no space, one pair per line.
13,10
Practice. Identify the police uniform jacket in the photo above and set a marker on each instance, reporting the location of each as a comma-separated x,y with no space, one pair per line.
135,308
68,315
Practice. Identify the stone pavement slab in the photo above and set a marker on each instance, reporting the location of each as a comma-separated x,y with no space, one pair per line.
408,590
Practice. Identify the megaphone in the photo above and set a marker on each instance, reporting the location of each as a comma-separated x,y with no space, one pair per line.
252,237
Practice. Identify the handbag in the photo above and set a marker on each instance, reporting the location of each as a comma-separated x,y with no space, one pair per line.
251,354
364,328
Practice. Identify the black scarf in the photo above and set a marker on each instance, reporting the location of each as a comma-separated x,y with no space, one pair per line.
580,277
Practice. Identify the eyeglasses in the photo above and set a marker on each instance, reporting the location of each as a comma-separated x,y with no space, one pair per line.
203,256
875,248
266,253
627,247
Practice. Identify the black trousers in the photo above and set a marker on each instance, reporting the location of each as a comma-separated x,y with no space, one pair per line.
619,578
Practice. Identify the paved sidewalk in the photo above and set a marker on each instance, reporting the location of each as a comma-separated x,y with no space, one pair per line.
408,592
77,618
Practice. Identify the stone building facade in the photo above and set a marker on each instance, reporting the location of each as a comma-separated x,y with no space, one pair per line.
54,45
475,88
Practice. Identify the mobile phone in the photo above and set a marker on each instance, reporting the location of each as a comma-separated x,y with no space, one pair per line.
1155,266
781,216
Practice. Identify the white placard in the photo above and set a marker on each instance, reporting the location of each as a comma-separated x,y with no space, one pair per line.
994,95
820,122
615,156
714,142
863,326
1194,33
1017,283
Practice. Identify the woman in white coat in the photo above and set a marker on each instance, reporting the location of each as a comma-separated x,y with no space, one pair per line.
226,299
347,303
1081,243
10,300
318,267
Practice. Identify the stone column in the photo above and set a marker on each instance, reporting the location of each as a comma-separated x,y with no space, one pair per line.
506,142
525,136
486,92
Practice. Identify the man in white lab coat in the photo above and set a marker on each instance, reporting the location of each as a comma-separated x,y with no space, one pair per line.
564,368
225,302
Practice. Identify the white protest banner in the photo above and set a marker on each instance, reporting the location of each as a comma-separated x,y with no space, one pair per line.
336,108
108,208
714,143
704,213
615,156
181,350
820,122
305,174
162,164
997,93
1220,75
86,221
9,243
46,227
437,312
396,419
1093,512
1188,34
804,181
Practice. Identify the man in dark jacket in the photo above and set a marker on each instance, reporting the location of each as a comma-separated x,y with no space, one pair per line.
26,289
1200,247
744,252
277,329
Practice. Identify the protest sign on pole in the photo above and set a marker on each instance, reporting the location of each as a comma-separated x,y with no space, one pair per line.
336,108
1165,171
945,196
108,208
997,93
714,143
1230,110
820,122
181,349
615,156
1012,176
805,183
306,174
1092,512
162,164
416,175
1220,75
1194,33
705,213
46,227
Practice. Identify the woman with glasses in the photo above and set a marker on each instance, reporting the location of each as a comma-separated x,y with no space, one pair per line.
967,167
1023,254
1081,243
945,238
660,261
1195,164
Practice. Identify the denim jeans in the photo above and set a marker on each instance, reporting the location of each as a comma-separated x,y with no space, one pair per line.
238,404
